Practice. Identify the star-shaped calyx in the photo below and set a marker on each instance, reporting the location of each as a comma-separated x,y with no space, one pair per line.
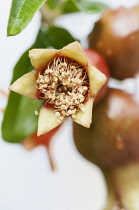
66,81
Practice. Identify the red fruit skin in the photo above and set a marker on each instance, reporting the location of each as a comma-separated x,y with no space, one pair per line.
95,59
116,37
113,138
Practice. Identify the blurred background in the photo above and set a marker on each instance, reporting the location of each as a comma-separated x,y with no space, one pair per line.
26,180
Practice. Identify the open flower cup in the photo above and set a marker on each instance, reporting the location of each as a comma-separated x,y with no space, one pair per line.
67,83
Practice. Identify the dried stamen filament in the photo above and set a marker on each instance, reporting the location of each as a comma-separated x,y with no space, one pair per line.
65,84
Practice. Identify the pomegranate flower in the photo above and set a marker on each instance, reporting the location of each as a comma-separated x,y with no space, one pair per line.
67,83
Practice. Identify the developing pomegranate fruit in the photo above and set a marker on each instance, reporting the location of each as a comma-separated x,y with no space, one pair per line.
66,81
112,142
116,37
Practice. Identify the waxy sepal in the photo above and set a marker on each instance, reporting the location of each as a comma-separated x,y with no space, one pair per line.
66,81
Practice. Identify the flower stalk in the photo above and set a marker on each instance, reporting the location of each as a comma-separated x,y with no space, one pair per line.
48,15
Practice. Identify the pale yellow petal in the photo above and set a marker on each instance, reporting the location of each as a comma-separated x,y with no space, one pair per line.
96,79
76,52
25,85
84,118
47,120
41,57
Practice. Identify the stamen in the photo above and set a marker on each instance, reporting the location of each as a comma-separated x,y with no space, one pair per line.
65,85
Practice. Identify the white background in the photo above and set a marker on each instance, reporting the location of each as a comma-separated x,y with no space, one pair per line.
26,181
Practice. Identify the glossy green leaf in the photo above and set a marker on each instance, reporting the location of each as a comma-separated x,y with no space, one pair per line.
57,37
52,4
92,7
19,119
22,11
70,6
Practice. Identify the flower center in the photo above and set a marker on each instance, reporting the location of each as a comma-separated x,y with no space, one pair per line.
65,85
